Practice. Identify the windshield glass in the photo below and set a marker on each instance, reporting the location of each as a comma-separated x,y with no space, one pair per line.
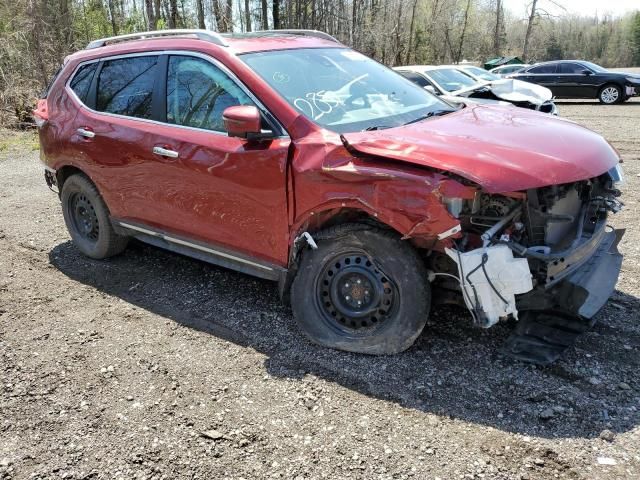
343,90
451,79
595,68
481,73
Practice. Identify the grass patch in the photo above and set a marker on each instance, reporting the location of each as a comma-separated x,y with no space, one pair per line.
18,140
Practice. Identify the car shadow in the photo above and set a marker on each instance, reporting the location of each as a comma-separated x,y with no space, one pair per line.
629,103
454,370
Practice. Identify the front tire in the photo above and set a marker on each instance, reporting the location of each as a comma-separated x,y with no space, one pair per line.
363,290
87,219
610,94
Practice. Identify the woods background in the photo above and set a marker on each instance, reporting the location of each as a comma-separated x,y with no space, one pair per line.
36,35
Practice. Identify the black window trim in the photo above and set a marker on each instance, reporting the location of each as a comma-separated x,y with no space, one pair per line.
157,106
529,72
571,62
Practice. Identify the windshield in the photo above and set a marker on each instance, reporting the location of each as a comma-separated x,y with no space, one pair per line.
451,79
343,90
481,73
595,68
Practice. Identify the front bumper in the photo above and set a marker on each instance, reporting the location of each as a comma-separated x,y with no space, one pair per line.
584,290
632,90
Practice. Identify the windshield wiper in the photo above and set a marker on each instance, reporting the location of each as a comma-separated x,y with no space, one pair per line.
435,113
376,127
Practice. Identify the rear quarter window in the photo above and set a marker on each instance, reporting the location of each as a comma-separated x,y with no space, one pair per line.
125,86
82,80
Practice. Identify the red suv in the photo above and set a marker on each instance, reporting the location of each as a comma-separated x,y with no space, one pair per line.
286,155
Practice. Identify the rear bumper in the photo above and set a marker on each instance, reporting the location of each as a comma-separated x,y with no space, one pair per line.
584,290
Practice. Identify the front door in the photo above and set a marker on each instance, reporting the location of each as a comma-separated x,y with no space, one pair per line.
217,189
573,82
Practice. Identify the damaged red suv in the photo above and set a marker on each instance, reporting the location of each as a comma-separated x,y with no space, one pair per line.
286,155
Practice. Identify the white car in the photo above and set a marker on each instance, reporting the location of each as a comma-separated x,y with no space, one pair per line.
456,85
505,70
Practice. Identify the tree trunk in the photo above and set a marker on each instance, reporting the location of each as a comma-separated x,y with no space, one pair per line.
173,13
221,24
229,15
200,13
247,15
151,18
458,55
411,31
498,29
276,14
156,15
527,36
112,15
265,14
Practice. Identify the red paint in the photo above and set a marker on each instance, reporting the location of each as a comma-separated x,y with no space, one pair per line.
256,197
241,120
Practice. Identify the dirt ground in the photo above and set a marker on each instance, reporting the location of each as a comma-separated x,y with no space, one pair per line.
152,365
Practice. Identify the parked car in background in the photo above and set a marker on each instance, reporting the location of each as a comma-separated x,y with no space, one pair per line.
508,69
581,79
288,156
456,85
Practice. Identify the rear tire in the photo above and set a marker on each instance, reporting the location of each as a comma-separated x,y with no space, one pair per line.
363,290
610,94
87,219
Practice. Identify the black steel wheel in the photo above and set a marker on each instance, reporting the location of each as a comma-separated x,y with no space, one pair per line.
84,218
87,219
353,294
363,290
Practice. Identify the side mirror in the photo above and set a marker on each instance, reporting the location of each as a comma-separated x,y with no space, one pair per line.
587,72
430,89
244,121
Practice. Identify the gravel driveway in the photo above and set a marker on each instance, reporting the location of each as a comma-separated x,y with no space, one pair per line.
153,365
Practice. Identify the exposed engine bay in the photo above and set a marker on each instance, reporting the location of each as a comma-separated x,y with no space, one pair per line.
545,249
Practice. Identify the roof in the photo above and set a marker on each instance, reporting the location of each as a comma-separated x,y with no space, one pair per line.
203,40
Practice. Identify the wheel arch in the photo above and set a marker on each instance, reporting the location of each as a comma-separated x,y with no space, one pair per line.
322,222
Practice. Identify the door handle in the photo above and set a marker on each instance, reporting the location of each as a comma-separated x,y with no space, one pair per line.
83,132
164,152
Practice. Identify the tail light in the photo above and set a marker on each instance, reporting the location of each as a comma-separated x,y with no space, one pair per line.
41,113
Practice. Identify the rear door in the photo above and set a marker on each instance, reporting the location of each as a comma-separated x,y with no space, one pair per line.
544,75
112,130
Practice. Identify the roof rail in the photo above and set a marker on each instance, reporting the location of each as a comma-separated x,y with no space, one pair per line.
206,35
304,33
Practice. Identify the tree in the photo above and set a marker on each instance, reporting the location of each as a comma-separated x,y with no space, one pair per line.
527,37
635,37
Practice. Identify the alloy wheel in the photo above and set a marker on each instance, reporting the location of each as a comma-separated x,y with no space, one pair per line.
610,95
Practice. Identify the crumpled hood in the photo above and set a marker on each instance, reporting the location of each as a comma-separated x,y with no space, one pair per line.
512,90
502,149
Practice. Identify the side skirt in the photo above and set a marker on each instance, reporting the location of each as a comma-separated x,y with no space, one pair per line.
201,251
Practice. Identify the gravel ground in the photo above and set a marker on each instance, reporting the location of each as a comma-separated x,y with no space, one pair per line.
152,365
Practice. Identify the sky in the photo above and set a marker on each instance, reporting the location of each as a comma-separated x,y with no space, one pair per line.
583,7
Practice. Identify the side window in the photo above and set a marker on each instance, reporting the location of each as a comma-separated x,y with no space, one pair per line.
198,92
416,78
125,86
82,80
570,68
543,69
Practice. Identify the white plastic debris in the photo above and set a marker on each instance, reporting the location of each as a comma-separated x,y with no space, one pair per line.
508,275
